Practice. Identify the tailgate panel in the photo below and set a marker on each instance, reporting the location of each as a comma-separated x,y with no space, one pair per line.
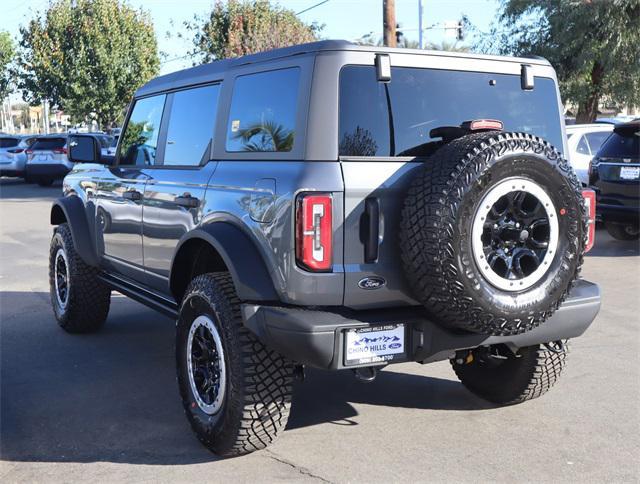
387,182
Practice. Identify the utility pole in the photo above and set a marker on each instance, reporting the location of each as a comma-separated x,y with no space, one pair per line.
389,22
420,41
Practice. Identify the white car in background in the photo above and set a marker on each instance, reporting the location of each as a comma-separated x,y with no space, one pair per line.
584,141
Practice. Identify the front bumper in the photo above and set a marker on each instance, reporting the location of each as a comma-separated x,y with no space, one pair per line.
317,337
51,170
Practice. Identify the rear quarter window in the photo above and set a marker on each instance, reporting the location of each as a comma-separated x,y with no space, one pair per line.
263,112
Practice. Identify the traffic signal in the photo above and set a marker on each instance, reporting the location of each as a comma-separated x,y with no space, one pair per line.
460,31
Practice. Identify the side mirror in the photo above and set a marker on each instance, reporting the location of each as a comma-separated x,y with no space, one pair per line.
84,149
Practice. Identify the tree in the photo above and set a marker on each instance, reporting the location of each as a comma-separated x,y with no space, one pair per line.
87,57
593,45
240,27
6,57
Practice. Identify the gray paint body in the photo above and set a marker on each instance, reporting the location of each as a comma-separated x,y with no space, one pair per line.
256,192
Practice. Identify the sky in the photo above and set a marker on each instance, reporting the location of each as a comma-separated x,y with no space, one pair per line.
343,19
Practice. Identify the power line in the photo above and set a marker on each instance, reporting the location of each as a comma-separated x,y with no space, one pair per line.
313,6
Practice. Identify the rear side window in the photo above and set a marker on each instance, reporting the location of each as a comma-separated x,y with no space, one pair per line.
44,144
9,142
583,147
190,132
597,139
140,138
621,146
263,112
419,100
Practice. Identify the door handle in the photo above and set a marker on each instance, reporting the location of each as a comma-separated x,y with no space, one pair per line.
187,201
370,225
132,195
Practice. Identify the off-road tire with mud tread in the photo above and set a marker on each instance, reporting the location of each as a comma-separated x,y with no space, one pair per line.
259,380
529,375
89,298
436,225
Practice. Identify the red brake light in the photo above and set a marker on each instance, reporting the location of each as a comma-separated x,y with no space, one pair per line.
60,151
29,152
16,150
590,203
482,124
314,232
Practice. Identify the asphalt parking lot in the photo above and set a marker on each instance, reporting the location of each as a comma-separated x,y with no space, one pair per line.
105,407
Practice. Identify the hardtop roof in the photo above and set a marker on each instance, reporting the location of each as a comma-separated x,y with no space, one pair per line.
212,71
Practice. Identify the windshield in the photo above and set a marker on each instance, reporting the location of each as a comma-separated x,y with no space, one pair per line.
43,144
396,118
9,142
621,146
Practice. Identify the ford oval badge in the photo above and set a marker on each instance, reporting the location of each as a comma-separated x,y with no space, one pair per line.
370,283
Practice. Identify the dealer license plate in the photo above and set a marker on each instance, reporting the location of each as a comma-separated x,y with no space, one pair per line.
375,344
629,172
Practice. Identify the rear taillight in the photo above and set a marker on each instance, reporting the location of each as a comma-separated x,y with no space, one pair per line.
590,204
314,232
29,152
60,151
17,150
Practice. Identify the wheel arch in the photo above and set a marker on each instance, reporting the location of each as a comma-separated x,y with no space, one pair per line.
221,247
72,210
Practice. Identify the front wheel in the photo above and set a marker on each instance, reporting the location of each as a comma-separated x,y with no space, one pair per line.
235,391
500,376
623,231
79,298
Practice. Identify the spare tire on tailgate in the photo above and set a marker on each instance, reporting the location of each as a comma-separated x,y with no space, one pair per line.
493,233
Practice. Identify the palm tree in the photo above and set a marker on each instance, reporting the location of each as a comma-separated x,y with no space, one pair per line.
267,136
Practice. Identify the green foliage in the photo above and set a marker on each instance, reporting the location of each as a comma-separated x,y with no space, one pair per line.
239,27
594,46
266,136
87,57
7,52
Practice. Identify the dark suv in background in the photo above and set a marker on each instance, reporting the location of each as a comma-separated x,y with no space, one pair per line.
334,206
615,177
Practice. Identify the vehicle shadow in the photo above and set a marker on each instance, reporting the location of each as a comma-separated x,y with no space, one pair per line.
18,189
112,396
607,246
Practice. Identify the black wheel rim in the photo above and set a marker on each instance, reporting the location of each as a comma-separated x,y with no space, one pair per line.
515,234
61,278
206,365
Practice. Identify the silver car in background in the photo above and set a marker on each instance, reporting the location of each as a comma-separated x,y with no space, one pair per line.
13,156
47,159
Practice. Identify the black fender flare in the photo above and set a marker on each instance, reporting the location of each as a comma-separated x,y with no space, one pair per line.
72,210
241,256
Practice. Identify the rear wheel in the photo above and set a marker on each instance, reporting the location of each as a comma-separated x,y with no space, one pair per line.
623,231
498,375
235,391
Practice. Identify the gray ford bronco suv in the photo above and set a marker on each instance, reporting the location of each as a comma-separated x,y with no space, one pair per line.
334,206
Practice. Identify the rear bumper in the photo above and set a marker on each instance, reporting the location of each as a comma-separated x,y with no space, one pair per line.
52,170
617,213
11,171
317,338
